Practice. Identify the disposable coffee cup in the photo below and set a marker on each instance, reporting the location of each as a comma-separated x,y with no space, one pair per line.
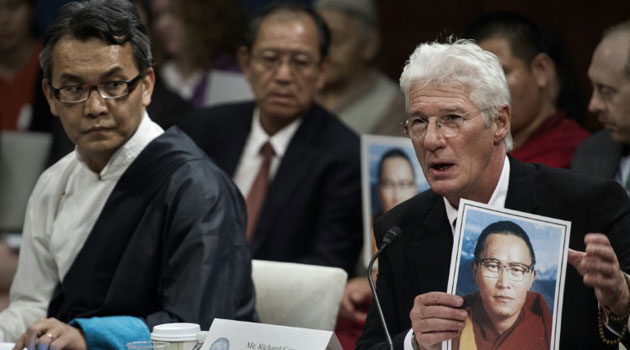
179,336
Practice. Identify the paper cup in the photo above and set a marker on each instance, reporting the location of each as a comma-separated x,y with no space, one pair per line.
180,336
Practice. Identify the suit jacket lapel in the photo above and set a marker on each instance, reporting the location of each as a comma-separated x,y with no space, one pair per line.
238,130
521,195
293,168
431,250
606,161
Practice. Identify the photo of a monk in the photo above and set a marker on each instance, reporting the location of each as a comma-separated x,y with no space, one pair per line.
504,313
396,179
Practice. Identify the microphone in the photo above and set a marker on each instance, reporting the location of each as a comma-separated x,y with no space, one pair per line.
390,237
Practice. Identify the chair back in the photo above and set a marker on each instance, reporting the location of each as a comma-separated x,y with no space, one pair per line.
298,295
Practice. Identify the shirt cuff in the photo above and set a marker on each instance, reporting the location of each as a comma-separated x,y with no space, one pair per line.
407,341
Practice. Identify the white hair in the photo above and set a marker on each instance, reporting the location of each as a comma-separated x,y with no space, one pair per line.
460,61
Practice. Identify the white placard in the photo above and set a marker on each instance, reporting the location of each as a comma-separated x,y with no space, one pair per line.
229,334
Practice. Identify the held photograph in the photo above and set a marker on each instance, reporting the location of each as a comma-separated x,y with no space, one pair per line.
390,174
509,267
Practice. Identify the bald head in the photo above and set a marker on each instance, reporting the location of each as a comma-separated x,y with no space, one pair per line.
620,34
609,73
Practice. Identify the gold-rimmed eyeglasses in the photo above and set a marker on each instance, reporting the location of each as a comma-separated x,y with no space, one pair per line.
448,124
110,89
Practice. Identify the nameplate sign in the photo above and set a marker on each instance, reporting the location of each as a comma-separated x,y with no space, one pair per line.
228,334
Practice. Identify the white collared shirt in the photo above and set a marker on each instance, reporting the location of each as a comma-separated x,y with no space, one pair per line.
623,171
497,199
62,210
251,158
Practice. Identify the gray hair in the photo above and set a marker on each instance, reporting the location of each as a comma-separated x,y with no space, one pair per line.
619,28
115,22
460,61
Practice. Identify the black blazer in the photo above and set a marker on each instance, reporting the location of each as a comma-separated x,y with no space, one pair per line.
598,155
312,211
419,262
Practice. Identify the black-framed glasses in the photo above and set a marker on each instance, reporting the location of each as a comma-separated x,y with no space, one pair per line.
299,62
448,124
491,268
107,89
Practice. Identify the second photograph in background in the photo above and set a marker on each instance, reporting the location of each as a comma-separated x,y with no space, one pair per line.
390,174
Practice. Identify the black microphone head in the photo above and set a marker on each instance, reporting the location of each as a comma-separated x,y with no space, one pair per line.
392,235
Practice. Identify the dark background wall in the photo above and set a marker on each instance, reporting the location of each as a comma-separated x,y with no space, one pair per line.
406,23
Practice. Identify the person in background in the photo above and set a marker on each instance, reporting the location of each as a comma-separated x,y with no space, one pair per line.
546,98
19,79
19,47
355,90
605,154
197,40
136,227
459,124
297,165
167,107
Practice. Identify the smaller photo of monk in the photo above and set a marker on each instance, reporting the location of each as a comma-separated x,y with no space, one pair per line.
509,268
390,174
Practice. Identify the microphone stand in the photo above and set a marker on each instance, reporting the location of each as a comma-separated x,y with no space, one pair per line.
389,238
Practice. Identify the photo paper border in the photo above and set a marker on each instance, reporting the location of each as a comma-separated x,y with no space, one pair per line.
564,226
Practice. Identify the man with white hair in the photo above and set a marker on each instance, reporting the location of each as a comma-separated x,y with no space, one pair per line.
459,123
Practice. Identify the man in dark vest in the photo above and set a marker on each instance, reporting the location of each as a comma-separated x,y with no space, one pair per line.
136,227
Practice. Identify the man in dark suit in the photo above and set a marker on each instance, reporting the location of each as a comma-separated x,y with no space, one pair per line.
605,154
311,212
459,121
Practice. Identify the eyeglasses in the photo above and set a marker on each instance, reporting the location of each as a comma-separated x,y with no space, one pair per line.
400,185
299,62
491,268
107,89
448,125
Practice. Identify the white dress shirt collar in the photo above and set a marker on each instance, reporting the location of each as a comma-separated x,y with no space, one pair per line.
250,160
280,140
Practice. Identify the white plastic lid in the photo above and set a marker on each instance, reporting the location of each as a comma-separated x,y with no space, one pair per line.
175,332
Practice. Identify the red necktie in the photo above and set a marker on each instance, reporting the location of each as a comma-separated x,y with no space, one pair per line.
256,195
